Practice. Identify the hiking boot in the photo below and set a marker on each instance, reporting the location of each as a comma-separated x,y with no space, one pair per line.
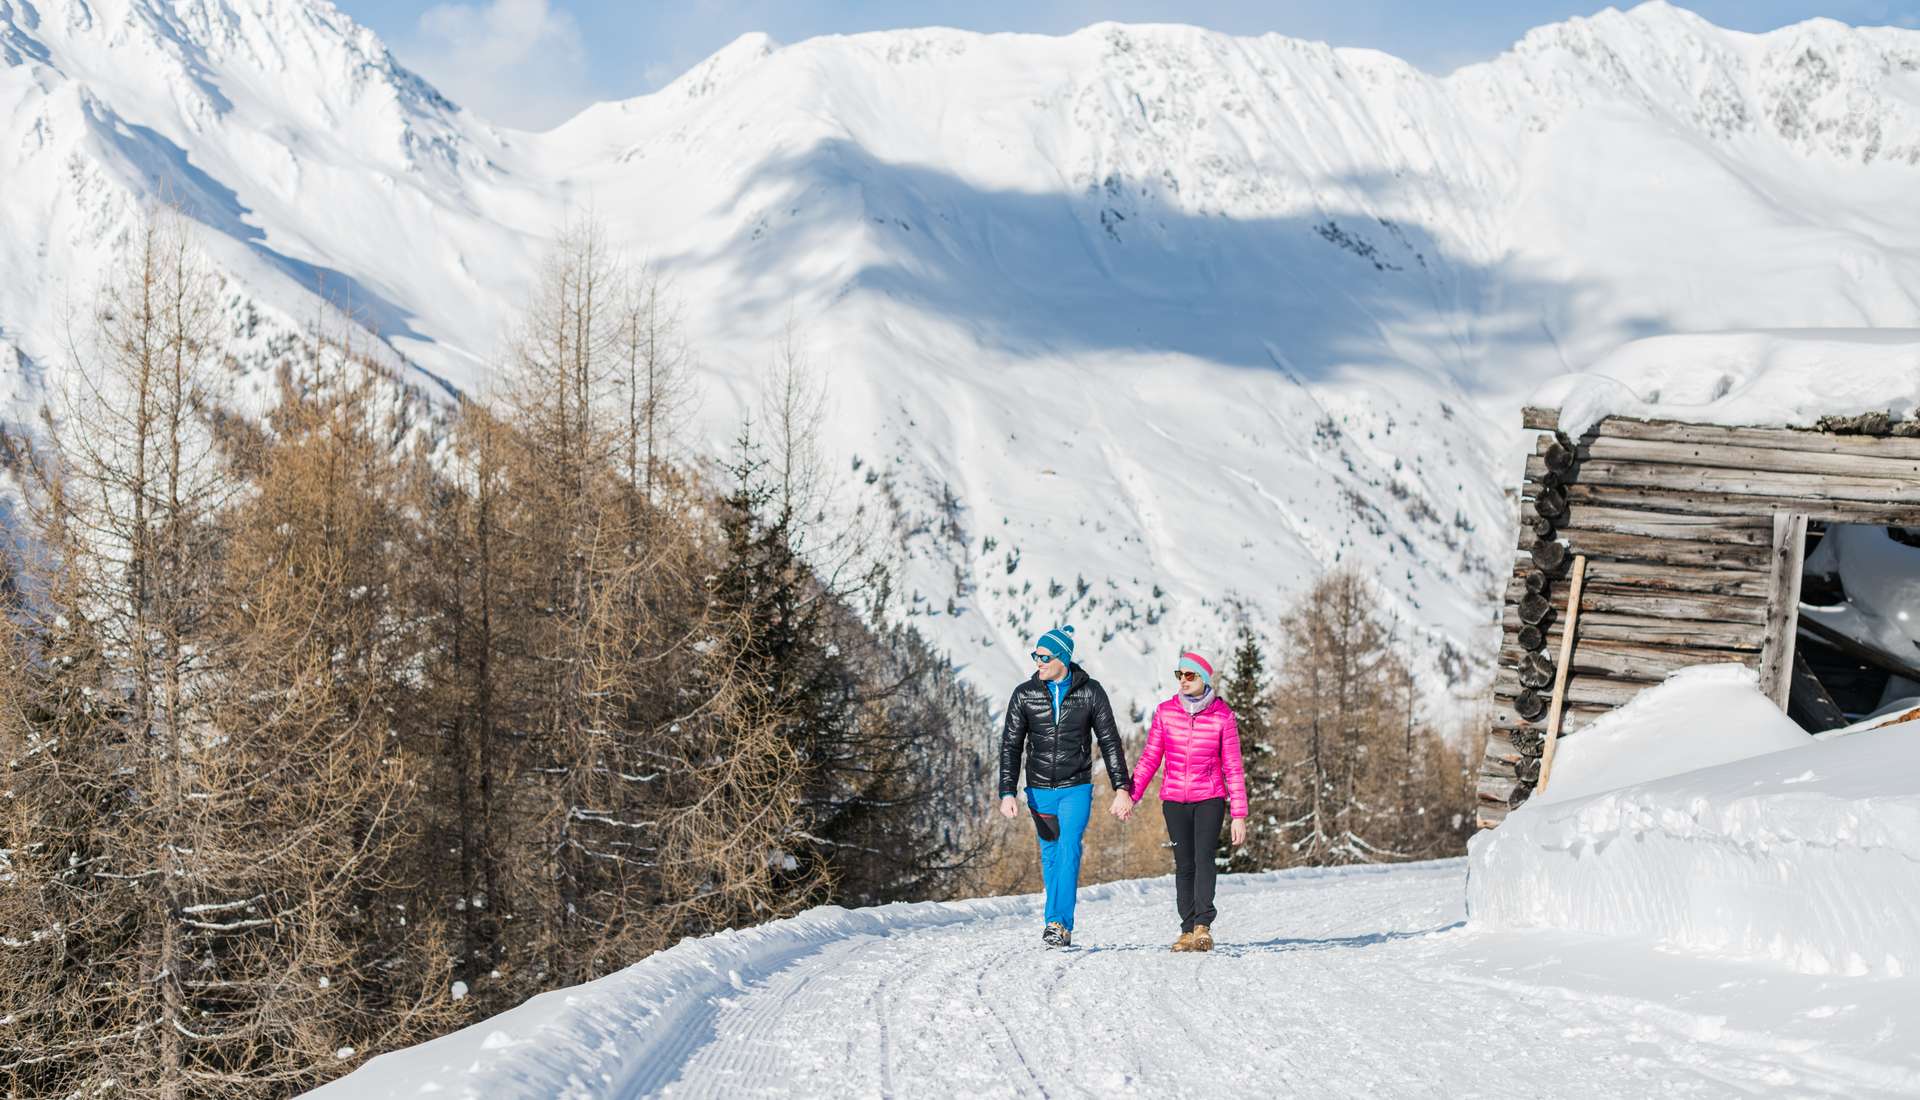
1184,943
1202,938
1056,935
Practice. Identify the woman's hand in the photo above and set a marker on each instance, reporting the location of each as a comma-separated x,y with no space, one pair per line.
1239,831
1122,807
1008,808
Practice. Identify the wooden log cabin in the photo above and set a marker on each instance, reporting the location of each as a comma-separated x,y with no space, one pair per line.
1694,537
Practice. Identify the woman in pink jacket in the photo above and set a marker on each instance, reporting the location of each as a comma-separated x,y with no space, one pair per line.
1196,736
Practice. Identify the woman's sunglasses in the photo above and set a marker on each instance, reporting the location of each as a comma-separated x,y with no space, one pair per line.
1183,675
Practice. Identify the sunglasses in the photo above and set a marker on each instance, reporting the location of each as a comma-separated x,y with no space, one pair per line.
1041,658
1183,675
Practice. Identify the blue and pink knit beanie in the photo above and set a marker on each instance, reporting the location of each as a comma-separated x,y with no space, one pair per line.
1193,662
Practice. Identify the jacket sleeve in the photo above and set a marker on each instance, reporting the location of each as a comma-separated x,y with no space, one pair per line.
1107,732
1150,756
1013,741
1232,768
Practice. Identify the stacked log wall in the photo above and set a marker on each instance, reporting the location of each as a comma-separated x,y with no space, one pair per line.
1676,521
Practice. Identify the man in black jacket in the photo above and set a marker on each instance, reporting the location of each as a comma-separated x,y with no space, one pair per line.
1053,719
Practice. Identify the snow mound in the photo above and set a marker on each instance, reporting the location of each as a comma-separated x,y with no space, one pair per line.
1702,716
1807,857
1777,378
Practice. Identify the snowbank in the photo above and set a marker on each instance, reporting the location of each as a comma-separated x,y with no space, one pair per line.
1808,856
589,1040
1702,716
1776,378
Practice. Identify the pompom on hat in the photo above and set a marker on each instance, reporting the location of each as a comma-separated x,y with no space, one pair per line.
1193,662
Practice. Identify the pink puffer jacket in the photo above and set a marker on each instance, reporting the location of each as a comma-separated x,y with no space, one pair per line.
1202,754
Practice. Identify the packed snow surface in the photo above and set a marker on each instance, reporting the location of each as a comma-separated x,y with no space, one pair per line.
1763,378
1130,327
1806,857
1356,983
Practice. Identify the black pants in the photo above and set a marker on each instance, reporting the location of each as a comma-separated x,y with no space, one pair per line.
1194,828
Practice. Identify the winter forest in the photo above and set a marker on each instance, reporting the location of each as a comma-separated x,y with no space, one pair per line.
325,735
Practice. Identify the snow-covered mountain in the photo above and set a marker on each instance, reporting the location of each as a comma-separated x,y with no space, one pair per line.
1131,326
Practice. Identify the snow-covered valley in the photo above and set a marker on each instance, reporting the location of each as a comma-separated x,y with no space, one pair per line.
1134,328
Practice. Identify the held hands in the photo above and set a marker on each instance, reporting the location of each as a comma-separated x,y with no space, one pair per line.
1239,831
1009,808
1122,807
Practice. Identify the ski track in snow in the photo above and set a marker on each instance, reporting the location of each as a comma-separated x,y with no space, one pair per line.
1359,984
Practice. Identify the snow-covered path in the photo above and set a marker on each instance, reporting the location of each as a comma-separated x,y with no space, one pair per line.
1358,983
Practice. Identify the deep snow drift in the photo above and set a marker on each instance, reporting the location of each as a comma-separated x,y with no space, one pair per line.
1283,299
1792,851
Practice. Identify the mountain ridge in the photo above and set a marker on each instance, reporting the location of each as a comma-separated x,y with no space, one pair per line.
1140,309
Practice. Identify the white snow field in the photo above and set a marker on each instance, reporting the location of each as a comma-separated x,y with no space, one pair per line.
1283,300
1745,927
1360,983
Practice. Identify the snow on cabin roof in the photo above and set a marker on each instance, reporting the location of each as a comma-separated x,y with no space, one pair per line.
1762,378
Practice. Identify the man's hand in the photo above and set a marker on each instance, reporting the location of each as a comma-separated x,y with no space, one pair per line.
1122,807
1008,807
1239,831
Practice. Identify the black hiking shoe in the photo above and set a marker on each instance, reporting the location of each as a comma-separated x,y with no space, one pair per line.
1056,935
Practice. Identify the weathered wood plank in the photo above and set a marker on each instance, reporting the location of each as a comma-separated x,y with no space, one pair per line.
1783,607
1608,691
1612,546
1821,464
1735,504
1645,475
1734,581
1502,790
1536,419
1785,439
1732,531
1579,716
1706,608
1488,816
1729,641
1595,657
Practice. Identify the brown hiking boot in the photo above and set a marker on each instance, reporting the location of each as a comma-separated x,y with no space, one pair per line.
1184,943
1202,938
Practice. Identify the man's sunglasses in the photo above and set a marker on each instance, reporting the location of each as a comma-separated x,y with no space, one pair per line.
1040,658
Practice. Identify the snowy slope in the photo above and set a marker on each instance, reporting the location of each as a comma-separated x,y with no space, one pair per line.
1360,983
1172,315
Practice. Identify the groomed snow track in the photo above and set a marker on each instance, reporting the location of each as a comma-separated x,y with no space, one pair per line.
1359,982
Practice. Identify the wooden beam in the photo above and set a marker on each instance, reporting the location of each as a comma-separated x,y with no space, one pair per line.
1783,606
1639,662
1696,607
1731,640
1610,691
1786,439
1877,513
1730,531
1537,419
1723,456
1699,479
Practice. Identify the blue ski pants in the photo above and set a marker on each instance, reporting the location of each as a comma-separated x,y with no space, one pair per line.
1060,819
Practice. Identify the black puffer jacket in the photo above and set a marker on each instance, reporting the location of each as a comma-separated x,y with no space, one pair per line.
1060,754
